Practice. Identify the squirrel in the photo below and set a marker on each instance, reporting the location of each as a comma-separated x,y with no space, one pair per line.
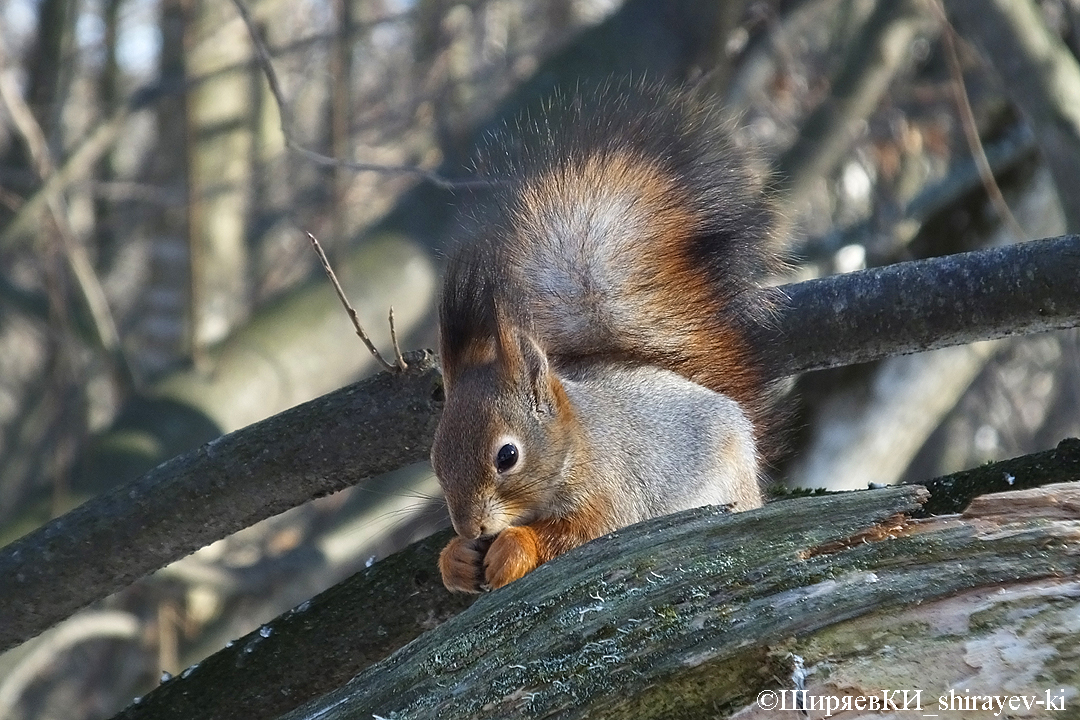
597,330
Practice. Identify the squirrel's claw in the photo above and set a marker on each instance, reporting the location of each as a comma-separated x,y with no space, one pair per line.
462,565
515,552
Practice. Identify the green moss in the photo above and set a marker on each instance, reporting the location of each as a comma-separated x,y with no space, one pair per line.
709,689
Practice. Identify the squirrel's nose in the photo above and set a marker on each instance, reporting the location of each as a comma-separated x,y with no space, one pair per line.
469,530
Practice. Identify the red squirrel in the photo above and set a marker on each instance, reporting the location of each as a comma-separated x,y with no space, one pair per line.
597,328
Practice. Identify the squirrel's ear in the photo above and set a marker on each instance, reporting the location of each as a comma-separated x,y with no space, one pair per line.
545,386
522,360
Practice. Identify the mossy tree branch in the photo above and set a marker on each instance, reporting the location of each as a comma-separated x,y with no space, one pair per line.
335,636
693,615
380,425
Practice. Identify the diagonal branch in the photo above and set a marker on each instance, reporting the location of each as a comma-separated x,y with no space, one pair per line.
388,421
309,451
85,155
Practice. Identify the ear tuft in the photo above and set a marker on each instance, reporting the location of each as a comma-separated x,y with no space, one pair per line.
524,363
507,346
537,369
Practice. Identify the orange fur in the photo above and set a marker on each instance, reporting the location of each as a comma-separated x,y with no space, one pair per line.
467,567
625,238
459,565
688,316
515,552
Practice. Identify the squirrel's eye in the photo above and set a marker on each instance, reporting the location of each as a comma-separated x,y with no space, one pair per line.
506,458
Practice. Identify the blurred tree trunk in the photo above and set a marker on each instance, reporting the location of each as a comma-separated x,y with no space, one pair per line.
44,73
219,170
45,64
109,98
160,327
341,60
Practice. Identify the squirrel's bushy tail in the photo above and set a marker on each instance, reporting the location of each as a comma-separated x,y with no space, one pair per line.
625,224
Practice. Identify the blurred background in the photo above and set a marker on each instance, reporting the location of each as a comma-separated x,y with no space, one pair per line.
157,288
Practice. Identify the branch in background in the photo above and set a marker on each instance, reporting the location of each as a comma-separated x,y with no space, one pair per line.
89,289
86,154
1040,74
98,141
1003,154
45,650
927,304
265,62
971,131
872,432
867,71
388,421
309,451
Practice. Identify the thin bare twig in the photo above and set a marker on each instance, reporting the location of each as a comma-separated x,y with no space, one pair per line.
263,55
349,308
88,151
78,260
402,365
971,131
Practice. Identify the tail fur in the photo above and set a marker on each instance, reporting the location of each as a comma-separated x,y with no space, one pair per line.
624,225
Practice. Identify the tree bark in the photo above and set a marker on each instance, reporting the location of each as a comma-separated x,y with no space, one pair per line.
312,450
694,615
335,636
219,142
953,493
957,299
928,304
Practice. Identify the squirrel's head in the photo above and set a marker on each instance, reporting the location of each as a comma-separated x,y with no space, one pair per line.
501,448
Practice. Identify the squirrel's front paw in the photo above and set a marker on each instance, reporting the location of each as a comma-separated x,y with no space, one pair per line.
514,553
462,564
